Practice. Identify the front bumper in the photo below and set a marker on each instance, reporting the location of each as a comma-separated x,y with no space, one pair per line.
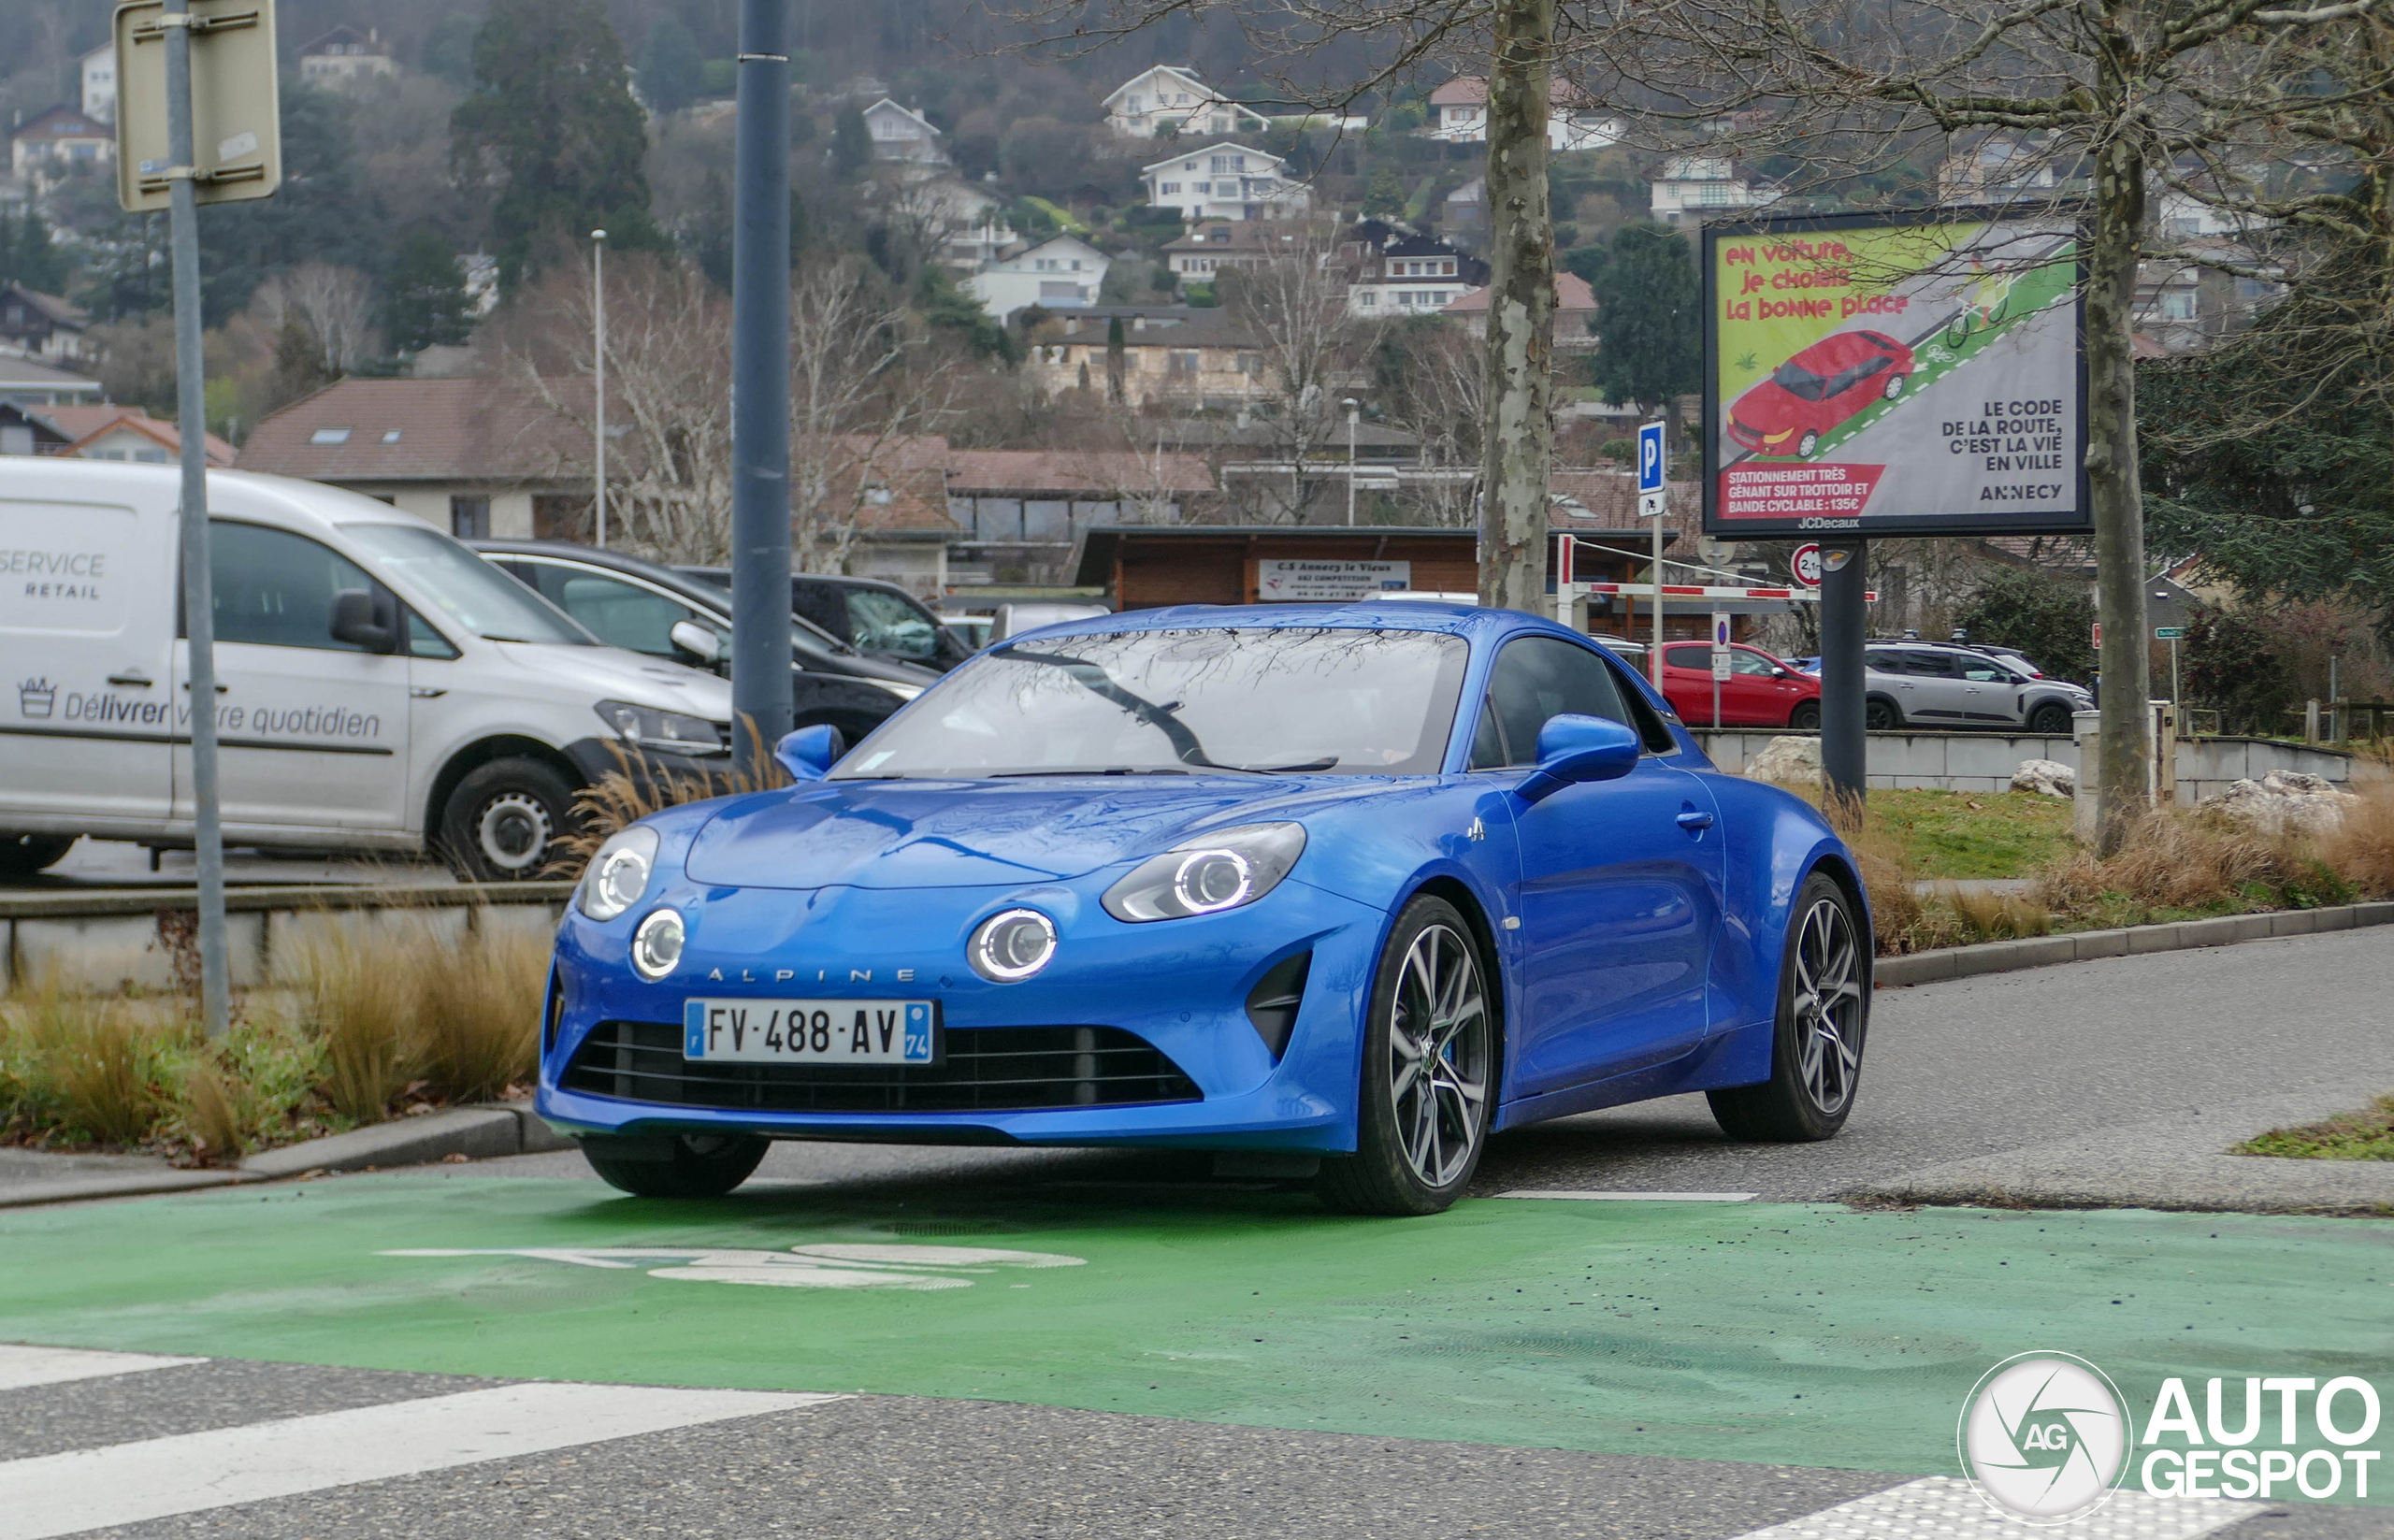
649,771
1179,986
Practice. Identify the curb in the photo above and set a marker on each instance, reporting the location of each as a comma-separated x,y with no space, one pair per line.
476,1132
132,1185
2005,956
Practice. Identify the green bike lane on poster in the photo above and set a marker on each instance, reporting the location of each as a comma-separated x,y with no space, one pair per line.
1771,1333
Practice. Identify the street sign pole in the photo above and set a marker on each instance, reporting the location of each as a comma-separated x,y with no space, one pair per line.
1844,711
1653,497
199,599
1720,661
760,544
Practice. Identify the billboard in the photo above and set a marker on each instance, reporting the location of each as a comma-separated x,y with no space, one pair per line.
1917,373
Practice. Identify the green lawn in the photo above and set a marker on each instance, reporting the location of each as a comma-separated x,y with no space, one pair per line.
2354,1136
1977,834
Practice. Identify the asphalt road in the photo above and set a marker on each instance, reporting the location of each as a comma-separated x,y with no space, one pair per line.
1954,1071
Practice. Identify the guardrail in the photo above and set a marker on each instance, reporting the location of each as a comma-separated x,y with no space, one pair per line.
106,942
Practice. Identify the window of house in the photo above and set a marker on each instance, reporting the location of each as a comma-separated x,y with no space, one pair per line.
1137,105
1168,188
1371,300
470,518
2178,305
330,436
1251,363
1181,363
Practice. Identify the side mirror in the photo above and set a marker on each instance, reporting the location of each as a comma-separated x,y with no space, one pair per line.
1580,748
698,641
809,752
366,618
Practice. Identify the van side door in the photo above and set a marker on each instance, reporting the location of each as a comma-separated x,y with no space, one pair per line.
312,731
88,703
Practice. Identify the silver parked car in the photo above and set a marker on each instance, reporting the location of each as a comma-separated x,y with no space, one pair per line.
1939,684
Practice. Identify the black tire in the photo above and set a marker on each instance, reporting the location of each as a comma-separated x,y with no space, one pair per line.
503,819
1881,715
1893,388
678,1165
2052,719
22,854
1807,443
1816,1042
1419,1141
1806,717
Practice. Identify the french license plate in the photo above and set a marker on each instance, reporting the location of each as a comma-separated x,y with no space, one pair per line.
810,1032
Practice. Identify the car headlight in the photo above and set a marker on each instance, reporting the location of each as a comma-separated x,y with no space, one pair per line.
619,873
1010,947
657,945
667,733
1208,874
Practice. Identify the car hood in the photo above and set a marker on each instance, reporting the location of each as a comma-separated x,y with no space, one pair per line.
611,673
898,834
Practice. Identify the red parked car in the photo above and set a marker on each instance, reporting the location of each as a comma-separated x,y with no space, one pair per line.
1760,692
1818,389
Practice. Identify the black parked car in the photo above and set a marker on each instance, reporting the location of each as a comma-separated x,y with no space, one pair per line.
876,618
656,610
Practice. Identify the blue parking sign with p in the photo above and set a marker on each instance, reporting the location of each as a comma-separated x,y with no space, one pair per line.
1650,457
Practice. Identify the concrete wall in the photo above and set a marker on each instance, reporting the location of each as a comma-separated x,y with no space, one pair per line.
108,942
1969,761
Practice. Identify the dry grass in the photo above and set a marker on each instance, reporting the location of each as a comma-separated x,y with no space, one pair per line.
629,793
2362,852
421,1013
2176,862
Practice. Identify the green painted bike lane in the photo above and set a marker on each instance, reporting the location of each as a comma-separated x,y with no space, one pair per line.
1781,1334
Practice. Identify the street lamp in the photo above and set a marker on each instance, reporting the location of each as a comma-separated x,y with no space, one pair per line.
1354,412
598,353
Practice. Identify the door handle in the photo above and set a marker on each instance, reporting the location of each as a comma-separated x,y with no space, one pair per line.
1694,822
131,680
221,689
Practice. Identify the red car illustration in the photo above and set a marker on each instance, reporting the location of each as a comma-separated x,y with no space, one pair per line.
1816,390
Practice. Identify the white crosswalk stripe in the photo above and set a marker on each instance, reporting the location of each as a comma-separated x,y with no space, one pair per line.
1939,1507
156,1478
22,1367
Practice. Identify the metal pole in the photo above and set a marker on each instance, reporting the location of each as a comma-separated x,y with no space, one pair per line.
760,554
599,356
1844,712
199,601
1352,410
1655,658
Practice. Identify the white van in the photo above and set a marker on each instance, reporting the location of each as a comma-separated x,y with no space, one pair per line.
380,687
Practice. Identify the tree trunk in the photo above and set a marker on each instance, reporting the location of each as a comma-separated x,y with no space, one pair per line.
2112,485
1519,441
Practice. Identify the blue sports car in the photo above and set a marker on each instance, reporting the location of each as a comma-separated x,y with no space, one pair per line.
1367,882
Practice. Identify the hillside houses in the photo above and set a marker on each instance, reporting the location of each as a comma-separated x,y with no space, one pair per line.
1459,115
902,133
1171,99
1693,188
1225,181
1061,274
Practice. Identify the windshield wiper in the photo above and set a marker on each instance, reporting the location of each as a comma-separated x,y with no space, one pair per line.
1323,763
1094,769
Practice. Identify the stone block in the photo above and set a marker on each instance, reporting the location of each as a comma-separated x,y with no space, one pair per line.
2155,938
2100,944
293,935
106,953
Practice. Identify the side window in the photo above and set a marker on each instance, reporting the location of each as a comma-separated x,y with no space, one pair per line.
424,641
823,604
621,614
275,589
1539,677
1688,657
1929,665
1743,662
884,623
1883,660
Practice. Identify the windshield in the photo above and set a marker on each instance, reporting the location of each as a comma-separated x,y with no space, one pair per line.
464,589
1798,381
1335,701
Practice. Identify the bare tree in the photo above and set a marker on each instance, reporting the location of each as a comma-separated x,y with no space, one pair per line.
862,388
2129,87
335,304
1308,345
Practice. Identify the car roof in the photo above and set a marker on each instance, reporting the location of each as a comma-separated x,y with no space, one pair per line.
835,579
612,561
1839,348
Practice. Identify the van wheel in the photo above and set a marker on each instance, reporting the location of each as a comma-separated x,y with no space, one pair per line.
22,854
503,819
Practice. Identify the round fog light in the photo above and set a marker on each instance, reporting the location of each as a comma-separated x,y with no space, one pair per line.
657,945
1012,945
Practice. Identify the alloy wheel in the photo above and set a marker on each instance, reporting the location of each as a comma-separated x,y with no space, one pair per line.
1827,1005
1439,1056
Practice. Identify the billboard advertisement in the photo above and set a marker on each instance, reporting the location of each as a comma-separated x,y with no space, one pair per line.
1906,374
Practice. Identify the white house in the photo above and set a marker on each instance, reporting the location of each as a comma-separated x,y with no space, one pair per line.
99,82
1459,115
1403,272
52,141
900,135
1171,98
1694,186
344,56
1061,274
1225,181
